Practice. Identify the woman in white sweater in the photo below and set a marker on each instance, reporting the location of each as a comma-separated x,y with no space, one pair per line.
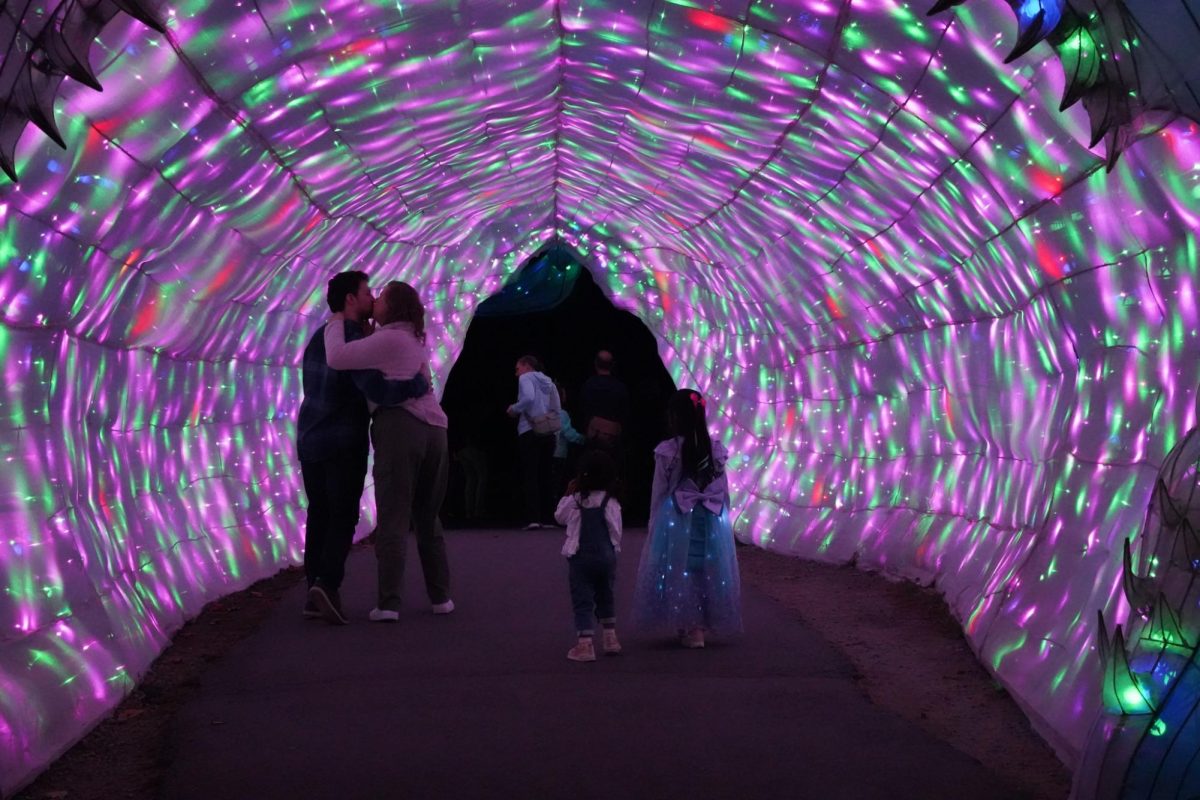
411,455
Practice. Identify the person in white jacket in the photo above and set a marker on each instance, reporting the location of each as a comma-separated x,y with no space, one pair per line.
537,398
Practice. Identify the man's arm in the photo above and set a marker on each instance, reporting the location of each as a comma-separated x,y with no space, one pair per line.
382,392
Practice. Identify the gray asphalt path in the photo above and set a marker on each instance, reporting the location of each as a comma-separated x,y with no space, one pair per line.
483,703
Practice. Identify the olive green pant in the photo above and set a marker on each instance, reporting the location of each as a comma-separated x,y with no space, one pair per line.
411,465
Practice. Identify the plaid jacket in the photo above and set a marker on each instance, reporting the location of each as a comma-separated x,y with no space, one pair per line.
334,420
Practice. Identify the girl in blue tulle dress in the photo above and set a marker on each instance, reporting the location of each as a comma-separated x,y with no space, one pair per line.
687,582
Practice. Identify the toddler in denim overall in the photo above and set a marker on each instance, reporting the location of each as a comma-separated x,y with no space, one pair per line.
593,519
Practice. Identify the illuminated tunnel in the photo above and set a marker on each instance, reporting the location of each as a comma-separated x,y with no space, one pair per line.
949,331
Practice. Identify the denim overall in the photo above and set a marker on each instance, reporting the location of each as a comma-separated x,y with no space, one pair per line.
592,570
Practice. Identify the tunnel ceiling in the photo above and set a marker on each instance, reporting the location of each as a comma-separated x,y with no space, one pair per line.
815,154
940,339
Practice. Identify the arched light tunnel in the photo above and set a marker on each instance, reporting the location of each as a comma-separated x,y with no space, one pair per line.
948,330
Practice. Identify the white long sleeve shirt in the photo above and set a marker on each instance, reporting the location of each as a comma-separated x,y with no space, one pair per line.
568,514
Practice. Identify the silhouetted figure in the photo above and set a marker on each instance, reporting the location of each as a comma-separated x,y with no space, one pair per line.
472,465
605,402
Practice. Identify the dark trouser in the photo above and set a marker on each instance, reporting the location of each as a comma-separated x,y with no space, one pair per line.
334,488
535,454
411,466
558,476
591,576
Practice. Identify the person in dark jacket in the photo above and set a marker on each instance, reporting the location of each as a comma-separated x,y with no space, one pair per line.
605,402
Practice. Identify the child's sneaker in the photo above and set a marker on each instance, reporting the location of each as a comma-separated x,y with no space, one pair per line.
610,644
582,651
693,638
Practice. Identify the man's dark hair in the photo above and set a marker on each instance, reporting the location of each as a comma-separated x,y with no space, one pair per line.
604,361
532,362
342,284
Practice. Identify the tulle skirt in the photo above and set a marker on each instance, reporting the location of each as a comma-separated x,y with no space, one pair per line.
688,574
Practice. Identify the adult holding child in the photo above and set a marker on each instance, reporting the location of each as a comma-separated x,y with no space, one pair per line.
411,452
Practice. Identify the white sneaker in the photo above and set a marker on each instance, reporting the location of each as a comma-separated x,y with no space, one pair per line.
443,608
533,526
383,615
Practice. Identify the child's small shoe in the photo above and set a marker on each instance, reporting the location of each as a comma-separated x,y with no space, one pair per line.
583,650
693,638
610,644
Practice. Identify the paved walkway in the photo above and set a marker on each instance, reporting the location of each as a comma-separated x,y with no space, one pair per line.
483,703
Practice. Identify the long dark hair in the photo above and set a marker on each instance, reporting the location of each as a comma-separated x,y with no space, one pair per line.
685,417
597,472
404,305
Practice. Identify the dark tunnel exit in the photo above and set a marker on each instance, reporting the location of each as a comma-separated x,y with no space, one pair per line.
553,309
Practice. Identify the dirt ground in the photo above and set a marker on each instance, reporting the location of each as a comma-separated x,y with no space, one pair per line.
913,660
910,655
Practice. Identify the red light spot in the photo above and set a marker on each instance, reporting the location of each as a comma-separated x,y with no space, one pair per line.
1049,261
221,279
1047,182
662,279
818,492
312,223
146,314
360,45
711,142
103,501
834,308
789,419
284,210
1172,142
710,21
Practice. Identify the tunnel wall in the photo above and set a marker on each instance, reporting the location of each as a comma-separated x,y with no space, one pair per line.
1002,455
